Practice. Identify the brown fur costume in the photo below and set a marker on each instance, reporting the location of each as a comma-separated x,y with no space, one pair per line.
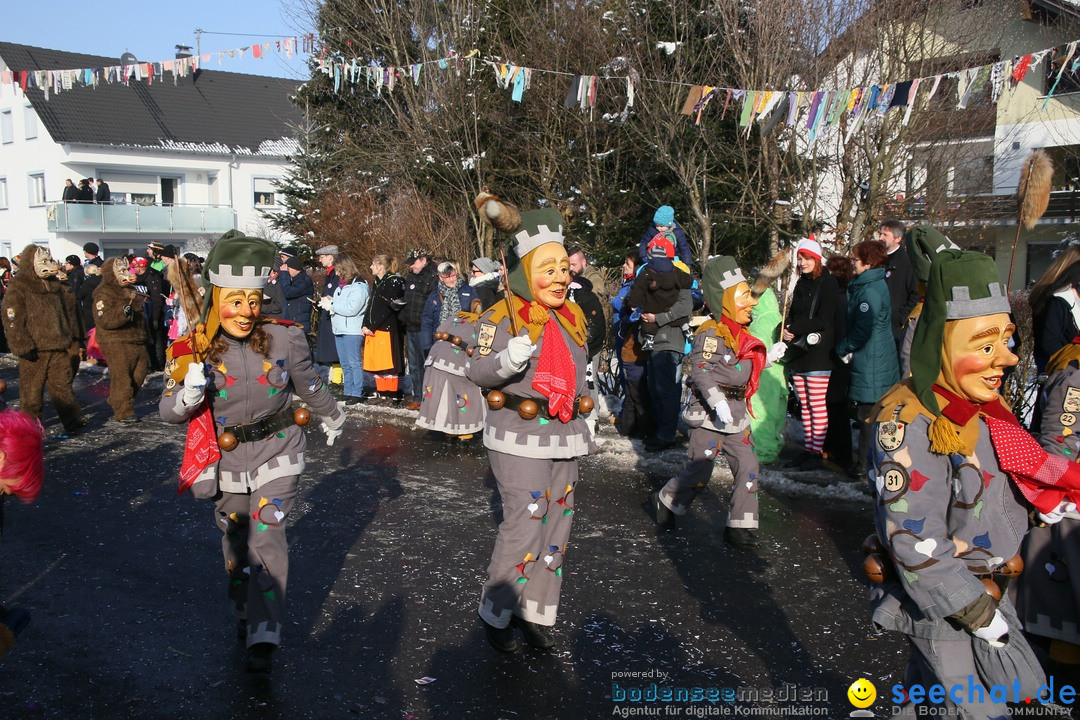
121,333
42,334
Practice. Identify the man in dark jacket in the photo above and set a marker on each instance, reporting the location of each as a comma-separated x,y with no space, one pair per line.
71,193
899,275
149,283
103,194
419,284
74,271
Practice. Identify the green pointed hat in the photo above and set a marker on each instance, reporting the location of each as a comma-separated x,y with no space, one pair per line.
537,228
961,284
923,243
720,273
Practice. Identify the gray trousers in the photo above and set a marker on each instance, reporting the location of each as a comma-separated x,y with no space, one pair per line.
705,447
948,663
526,569
257,555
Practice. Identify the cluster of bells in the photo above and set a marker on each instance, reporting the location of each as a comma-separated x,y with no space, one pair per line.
879,570
227,440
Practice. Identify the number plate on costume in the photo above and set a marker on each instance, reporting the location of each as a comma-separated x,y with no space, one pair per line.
708,347
890,435
1072,400
485,338
1068,419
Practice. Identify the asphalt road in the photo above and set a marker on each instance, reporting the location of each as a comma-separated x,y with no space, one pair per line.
389,545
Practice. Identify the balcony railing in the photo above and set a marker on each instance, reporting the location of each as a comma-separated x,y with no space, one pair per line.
156,219
999,209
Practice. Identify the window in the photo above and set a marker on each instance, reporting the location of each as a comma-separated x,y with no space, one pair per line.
30,123
7,134
3,194
37,189
265,193
143,199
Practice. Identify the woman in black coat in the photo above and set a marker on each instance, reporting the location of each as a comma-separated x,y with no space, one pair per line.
387,299
811,323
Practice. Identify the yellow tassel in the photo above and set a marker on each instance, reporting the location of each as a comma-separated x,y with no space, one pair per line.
538,314
944,439
200,343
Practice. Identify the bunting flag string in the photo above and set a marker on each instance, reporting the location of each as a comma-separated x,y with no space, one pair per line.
808,110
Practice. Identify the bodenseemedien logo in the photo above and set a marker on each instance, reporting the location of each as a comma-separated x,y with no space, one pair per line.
861,694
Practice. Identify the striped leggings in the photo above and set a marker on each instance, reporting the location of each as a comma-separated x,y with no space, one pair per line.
811,391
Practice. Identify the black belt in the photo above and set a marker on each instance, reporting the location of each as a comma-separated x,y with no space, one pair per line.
732,392
513,402
261,429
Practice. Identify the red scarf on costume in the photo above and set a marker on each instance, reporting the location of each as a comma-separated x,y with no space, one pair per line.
1043,479
200,448
556,376
748,347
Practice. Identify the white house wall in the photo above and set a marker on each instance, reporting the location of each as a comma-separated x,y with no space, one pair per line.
202,179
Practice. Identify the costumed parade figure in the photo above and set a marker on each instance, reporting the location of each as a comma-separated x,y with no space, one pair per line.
725,367
1047,595
531,358
450,403
44,336
954,475
239,374
121,335
21,472
769,403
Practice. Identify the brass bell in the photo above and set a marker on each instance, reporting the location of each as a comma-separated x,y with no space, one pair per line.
1012,567
227,441
992,588
441,335
496,400
301,416
528,409
875,569
585,405
872,544
456,340
469,350
3,386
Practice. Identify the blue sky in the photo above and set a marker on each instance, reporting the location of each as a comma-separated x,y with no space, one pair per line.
151,30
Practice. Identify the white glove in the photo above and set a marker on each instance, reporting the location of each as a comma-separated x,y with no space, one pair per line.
847,358
518,351
194,385
776,352
1054,516
326,302
993,632
723,413
333,428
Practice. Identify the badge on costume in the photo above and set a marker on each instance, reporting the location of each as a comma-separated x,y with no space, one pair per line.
1068,419
894,480
485,338
170,383
1072,400
864,307
709,346
890,435
11,313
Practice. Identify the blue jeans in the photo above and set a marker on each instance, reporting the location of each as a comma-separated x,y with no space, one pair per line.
416,362
662,377
350,357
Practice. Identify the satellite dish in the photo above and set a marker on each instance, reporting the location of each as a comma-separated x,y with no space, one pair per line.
129,59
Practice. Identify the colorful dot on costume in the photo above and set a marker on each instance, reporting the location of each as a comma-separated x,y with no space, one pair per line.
543,421
222,393
977,511
261,526
221,419
262,502
280,434
1066,431
982,541
266,366
558,571
987,477
917,480
738,366
915,526
271,392
911,576
222,369
900,506
262,380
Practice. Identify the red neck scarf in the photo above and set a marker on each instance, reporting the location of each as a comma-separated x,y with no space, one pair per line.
747,346
1043,479
556,376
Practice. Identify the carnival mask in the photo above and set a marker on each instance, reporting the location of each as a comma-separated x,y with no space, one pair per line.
974,355
738,302
238,310
44,266
549,274
123,273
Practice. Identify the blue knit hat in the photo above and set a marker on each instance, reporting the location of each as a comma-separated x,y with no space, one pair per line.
664,215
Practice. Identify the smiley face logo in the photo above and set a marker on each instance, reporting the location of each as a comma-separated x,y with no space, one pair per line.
862,693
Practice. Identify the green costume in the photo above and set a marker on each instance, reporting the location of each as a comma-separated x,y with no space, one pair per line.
770,402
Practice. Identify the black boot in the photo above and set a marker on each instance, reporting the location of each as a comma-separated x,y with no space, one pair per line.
535,635
742,538
665,519
502,639
259,657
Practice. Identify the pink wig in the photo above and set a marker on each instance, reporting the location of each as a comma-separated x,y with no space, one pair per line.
21,440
